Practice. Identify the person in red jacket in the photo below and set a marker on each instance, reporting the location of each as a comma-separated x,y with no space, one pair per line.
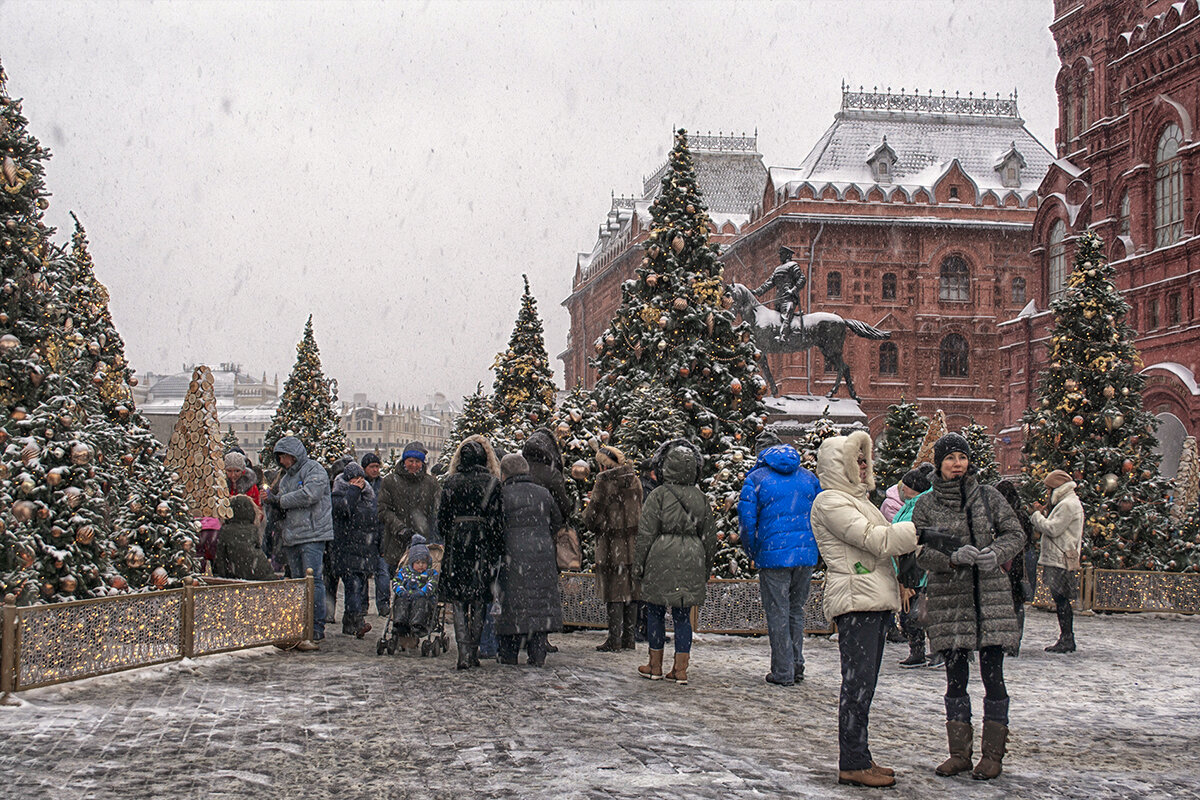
241,479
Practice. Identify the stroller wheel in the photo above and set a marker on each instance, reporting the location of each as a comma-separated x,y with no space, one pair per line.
380,647
426,648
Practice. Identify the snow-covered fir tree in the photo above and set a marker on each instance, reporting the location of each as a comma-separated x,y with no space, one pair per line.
651,417
578,427
523,393
903,430
983,452
308,409
229,442
815,432
1089,421
476,418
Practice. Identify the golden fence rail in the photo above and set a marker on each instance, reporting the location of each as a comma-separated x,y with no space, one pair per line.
731,606
42,645
1131,590
1082,580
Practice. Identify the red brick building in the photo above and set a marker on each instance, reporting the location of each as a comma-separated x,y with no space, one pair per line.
1128,167
913,214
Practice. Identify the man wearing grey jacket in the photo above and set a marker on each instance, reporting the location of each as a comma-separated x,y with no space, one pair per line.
303,500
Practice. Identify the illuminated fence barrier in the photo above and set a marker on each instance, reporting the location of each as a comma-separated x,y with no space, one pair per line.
1128,590
1081,579
43,645
731,606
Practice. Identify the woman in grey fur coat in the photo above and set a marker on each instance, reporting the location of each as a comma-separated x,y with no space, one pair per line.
967,531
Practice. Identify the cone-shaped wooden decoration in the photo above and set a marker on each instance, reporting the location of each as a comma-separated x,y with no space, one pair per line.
195,452
937,429
1187,480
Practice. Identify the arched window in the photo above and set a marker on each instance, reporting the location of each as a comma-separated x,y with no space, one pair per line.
1124,225
1018,291
833,284
954,284
889,286
889,359
1168,187
953,356
1056,274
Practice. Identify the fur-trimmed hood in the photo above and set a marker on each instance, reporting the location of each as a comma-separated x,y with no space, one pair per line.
470,444
542,448
837,464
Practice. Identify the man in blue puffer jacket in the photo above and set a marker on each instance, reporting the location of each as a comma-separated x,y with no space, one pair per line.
773,513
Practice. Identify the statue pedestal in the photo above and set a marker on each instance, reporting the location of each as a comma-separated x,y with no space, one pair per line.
791,414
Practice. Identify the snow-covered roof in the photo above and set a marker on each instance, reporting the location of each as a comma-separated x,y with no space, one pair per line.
927,134
1185,375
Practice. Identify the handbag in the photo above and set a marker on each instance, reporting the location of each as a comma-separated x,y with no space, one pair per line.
567,550
922,613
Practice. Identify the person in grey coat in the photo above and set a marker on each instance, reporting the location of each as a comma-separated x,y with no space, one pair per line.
303,499
967,530
530,606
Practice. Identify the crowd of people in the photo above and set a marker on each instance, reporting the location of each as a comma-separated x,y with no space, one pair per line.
945,560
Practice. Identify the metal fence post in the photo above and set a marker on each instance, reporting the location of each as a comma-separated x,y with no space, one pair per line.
310,598
187,644
8,652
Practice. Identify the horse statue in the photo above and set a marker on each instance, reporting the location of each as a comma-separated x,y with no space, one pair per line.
822,330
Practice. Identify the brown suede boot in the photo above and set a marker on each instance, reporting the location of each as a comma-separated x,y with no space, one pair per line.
995,736
653,670
960,736
678,672
868,777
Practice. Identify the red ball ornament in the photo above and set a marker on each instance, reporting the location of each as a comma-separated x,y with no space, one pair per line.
1127,465
735,386
1078,420
684,372
706,432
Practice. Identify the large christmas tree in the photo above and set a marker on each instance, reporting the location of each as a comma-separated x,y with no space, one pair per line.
53,515
903,430
1089,421
476,418
983,452
523,394
308,408
651,417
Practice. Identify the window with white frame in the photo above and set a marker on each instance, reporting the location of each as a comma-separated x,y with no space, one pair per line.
954,280
1056,253
1168,187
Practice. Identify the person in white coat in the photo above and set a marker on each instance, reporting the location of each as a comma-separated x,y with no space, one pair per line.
1060,523
861,590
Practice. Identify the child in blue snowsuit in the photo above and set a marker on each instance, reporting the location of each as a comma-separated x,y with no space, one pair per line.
414,591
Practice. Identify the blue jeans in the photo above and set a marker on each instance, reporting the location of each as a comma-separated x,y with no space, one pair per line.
656,627
310,555
383,587
784,594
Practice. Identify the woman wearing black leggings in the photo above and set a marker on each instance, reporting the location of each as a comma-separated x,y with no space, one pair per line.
967,531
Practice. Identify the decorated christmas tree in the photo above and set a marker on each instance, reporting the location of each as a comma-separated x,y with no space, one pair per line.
1090,423
523,394
817,431
903,430
579,431
154,533
476,419
53,516
230,440
308,409
983,452
651,418
725,485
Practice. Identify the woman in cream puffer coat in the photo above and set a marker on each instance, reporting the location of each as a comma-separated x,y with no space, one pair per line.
861,591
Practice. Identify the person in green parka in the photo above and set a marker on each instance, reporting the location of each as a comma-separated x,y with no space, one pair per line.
239,554
676,545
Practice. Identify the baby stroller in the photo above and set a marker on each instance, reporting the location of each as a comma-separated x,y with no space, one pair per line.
416,622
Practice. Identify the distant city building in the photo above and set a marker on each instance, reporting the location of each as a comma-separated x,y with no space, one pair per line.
386,429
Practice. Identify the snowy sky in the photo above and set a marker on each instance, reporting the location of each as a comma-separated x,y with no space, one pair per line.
392,168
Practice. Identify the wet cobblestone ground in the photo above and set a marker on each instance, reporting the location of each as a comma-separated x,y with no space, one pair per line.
1118,719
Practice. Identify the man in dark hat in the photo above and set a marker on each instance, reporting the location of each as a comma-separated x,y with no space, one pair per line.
408,501
787,280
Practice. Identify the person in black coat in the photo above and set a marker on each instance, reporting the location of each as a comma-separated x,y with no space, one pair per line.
238,553
355,532
530,606
1020,573
546,470
471,523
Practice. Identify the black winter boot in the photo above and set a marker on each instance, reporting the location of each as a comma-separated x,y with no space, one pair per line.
616,621
1066,630
628,626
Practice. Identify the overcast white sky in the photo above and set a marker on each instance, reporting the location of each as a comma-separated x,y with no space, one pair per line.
393,168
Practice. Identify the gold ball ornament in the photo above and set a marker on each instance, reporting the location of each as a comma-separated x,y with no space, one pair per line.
135,559
678,243
1109,483
562,430
54,477
652,280
19,413
118,583
80,454
1127,465
85,534
1109,392
1125,504
706,432
605,436
684,372
73,496
580,471
8,343
735,386
67,584
1077,420
30,453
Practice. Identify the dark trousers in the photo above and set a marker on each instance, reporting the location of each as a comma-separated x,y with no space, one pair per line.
356,600
468,627
383,585
509,647
958,673
861,636
1062,590
910,623
656,627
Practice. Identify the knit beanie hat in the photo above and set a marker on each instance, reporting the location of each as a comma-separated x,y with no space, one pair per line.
353,471
1055,479
235,461
918,479
415,450
418,551
950,443
369,459
513,464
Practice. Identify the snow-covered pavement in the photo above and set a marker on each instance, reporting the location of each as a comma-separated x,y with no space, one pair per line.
1119,719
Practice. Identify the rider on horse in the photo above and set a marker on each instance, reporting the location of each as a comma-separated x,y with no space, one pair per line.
787,280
